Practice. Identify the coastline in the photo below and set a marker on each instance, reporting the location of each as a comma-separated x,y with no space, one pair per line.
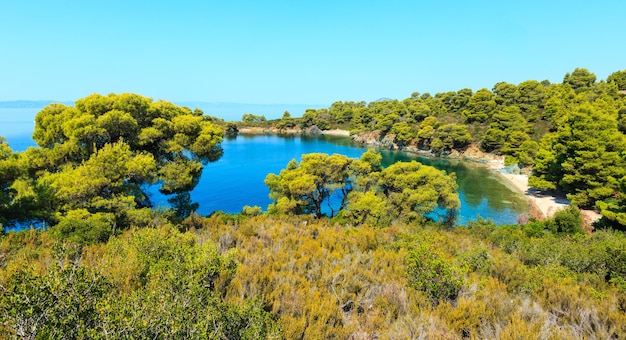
542,205
336,132
292,131
545,203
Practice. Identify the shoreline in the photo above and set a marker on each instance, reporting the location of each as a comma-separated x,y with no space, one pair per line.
542,204
336,132
547,203
262,130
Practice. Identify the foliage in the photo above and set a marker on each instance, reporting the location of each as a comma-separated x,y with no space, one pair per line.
251,211
324,185
83,227
100,156
619,79
412,190
568,221
252,118
431,273
286,122
579,79
297,277
582,157
61,303
613,209
450,136
9,172
154,283
307,187
480,106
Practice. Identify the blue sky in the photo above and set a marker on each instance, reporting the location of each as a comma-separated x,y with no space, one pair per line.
298,52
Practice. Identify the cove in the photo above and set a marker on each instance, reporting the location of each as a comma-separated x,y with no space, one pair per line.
236,179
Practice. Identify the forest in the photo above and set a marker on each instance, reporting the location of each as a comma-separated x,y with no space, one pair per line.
571,135
347,250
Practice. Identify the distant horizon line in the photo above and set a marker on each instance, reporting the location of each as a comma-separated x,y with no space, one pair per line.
173,101
224,110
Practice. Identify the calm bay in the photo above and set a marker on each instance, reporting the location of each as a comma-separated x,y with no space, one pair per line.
236,179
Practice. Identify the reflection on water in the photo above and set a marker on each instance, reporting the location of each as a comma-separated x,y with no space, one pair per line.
482,192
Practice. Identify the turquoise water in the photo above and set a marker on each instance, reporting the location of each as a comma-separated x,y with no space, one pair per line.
236,179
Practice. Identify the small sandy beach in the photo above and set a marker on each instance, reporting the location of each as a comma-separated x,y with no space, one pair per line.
547,204
336,132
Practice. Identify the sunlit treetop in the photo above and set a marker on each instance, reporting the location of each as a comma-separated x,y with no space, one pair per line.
179,139
95,162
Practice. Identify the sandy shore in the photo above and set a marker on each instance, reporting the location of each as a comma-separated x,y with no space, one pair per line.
545,203
336,132
549,204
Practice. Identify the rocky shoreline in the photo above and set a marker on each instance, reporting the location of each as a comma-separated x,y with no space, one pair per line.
542,204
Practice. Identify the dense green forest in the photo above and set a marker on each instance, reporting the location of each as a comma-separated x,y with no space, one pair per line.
347,249
571,134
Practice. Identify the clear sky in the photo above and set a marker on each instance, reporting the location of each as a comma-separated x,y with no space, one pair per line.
305,52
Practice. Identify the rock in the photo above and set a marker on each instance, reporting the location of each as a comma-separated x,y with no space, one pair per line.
388,142
471,153
313,130
454,154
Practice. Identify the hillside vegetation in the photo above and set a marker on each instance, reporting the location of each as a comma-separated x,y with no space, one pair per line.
347,249
571,134
237,277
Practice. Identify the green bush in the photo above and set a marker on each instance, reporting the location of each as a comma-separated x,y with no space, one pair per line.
83,227
434,275
568,220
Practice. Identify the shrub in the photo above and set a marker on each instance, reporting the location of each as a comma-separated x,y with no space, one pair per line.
433,274
83,227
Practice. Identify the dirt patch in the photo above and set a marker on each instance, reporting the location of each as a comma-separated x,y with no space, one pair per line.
589,218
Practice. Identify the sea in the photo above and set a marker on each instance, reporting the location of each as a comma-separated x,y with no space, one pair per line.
237,178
